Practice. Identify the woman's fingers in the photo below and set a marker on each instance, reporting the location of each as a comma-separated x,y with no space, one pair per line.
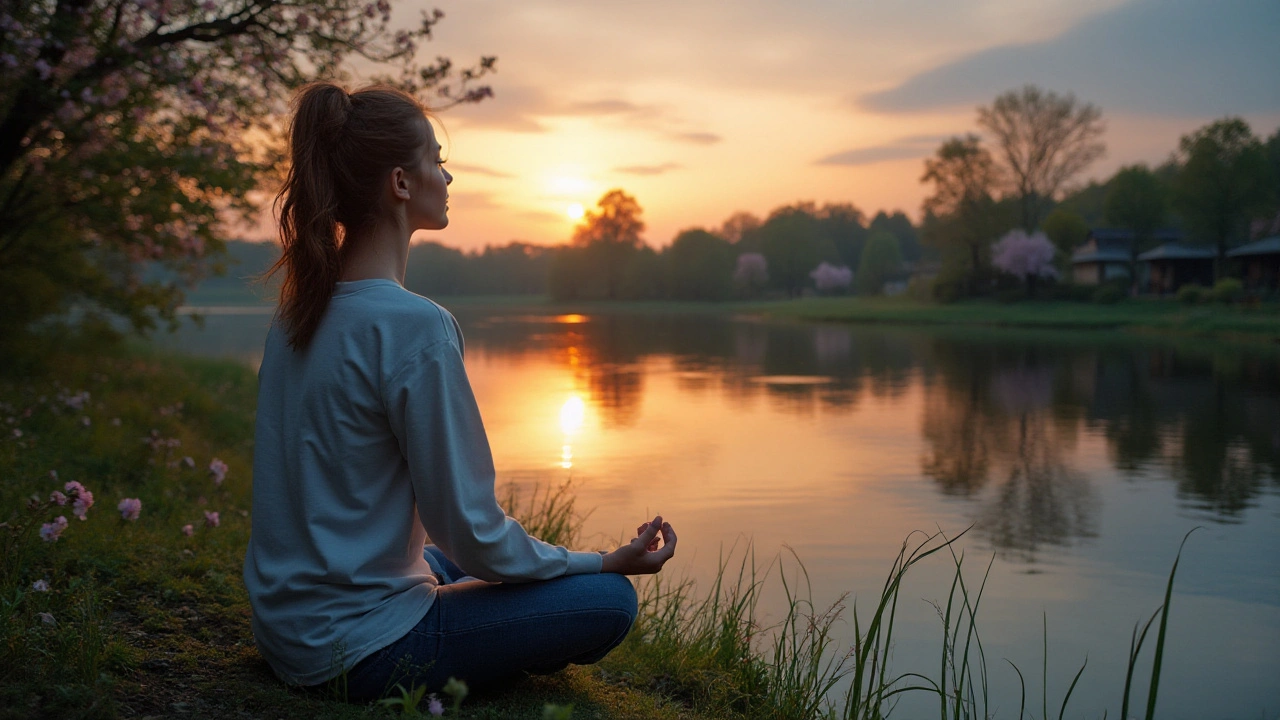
668,542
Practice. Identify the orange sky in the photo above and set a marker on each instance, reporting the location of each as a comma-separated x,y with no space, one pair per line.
702,108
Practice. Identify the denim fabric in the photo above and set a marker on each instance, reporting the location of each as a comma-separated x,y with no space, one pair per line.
486,633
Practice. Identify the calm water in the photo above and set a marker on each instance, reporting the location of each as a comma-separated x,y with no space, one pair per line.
1080,460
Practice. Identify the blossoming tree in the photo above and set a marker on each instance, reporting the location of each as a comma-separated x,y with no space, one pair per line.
140,131
1027,257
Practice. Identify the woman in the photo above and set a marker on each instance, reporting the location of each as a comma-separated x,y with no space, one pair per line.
368,440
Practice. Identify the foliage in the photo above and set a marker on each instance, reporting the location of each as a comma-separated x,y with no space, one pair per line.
793,243
899,226
881,260
960,215
1192,294
699,266
1108,294
135,131
609,237
1224,179
1137,200
737,226
513,269
1045,139
828,278
1227,290
1066,229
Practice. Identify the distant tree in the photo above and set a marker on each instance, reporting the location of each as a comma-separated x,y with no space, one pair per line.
845,226
751,273
899,225
793,242
881,260
610,235
1137,200
644,277
737,225
1223,180
135,132
961,210
1026,257
1045,139
699,266
1066,229
828,278
434,269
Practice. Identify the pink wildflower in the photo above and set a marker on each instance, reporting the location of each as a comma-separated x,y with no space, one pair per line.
85,421
188,530
218,470
17,433
211,518
435,707
189,462
130,508
83,499
56,497
50,531
40,586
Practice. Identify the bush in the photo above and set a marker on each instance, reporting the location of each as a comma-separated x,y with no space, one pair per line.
1191,294
1227,290
948,287
1108,295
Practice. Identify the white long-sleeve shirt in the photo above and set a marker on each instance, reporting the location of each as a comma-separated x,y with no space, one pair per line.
366,442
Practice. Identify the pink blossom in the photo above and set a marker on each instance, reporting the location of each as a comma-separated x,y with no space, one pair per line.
40,586
56,497
82,498
130,508
435,707
188,530
188,462
830,277
218,469
50,531
211,518
752,269
1024,255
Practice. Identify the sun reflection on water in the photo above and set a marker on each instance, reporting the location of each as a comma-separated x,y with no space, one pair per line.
572,414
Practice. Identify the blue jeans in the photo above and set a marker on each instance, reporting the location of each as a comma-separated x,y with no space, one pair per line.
487,633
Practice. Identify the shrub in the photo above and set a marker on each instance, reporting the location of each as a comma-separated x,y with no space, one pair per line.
1191,294
1227,290
1108,295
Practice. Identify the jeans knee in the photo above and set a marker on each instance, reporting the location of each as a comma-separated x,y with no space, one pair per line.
619,594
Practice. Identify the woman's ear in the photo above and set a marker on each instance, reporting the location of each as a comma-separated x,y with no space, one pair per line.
399,183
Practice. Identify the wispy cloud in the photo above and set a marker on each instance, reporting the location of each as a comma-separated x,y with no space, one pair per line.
1176,57
478,170
649,169
903,148
697,138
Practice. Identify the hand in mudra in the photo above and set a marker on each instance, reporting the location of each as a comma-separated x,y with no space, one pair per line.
643,556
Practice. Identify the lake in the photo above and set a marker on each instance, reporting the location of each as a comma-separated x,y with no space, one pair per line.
1080,460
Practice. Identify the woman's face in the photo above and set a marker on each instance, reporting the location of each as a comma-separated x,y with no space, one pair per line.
428,207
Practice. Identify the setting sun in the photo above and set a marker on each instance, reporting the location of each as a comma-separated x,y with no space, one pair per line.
575,211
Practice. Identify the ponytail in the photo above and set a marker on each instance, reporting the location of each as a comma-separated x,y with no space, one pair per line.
340,146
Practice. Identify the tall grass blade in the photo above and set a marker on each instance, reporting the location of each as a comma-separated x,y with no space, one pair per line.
1135,646
1022,684
1072,689
1160,636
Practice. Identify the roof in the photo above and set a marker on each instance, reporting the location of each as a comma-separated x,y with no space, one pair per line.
1125,234
1265,246
1177,251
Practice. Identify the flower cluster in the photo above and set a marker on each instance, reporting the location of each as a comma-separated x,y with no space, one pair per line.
130,508
218,470
81,499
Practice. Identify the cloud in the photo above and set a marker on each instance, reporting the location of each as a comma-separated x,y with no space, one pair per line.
1177,57
904,148
648,169
478,170
697,138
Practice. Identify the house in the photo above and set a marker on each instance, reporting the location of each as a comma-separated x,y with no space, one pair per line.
1261,262
1172,265
1107,253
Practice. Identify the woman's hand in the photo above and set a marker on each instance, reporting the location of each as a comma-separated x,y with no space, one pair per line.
642,556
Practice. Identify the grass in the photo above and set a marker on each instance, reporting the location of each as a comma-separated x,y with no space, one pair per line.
1141,315
142,619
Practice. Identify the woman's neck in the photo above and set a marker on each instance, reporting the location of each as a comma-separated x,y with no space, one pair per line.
382,254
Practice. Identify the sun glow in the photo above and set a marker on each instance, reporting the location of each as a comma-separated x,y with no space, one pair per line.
575,211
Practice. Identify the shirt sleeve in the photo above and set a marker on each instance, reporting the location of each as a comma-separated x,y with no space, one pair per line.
434,416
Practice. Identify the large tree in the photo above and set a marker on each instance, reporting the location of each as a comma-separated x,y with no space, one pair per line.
610,235
1223,180
1136,200
793,243
961,208
1045,139
136,132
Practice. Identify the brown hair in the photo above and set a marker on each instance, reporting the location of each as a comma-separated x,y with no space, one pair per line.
341,146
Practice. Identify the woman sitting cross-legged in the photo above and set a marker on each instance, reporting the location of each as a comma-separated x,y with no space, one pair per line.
369,441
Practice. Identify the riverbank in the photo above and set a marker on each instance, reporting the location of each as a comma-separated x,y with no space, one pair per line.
1260,324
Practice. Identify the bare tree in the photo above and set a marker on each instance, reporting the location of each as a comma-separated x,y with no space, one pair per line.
1045,139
